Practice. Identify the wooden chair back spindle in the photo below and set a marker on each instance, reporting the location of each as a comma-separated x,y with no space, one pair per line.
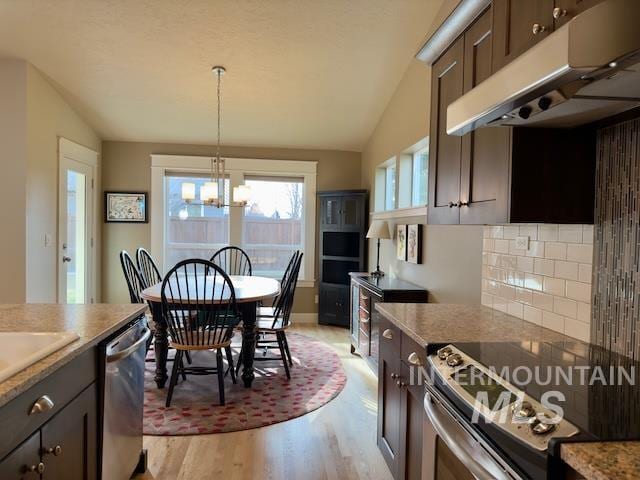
135,283
147,268
233,260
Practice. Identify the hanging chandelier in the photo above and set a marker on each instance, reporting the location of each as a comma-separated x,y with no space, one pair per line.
212,193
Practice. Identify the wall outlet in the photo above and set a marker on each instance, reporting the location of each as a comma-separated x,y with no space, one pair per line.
522,243
316,299
47,239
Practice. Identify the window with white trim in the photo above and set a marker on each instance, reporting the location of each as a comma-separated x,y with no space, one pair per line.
273,222
419,177
278,219
192,231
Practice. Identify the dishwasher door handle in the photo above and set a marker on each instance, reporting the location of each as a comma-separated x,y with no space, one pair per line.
146,333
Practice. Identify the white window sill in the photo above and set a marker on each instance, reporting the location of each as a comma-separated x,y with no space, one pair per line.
420,211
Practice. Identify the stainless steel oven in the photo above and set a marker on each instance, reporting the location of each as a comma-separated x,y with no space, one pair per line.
479,426
453,450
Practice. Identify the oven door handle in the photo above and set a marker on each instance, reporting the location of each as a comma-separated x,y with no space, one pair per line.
458,447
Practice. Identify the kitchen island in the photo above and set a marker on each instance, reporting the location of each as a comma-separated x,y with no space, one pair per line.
418,325
51,412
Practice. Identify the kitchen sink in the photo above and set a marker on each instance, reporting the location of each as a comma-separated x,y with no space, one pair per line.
18,350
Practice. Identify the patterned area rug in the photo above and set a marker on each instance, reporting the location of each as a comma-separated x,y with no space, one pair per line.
317,377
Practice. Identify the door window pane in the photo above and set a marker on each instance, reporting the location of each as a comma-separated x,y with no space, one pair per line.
419,177
74,253
273,223
193,231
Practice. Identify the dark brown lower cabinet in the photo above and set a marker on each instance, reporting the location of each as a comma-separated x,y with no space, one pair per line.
64,448
24,461
400,404
412,419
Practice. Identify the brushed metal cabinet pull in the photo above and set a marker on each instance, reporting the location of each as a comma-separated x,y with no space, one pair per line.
414,359
388,334
43,404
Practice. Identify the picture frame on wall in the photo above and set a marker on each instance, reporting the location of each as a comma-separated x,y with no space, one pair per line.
414,244
401,242
125,207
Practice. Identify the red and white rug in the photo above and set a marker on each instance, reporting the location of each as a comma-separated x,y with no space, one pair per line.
317,377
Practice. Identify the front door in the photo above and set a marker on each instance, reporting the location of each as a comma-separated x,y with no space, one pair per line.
75,223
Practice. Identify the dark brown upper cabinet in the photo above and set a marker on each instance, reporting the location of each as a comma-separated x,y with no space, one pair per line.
501,174
565,10
445,150
517,26
484,178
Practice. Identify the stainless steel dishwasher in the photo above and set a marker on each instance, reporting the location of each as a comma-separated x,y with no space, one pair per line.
124,356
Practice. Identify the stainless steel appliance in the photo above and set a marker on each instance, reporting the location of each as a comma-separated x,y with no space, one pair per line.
586,70
123,402
510,433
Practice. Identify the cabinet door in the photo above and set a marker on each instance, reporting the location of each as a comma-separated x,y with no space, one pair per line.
484,180
351,213
445,150
69,440
567,9
514,27
412,427
330,211
389,406
21,462
334,305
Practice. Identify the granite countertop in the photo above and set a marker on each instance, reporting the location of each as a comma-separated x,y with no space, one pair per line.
92,323
441,323
603,460
445,323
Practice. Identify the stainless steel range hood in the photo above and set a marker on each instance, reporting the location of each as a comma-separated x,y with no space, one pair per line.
586,70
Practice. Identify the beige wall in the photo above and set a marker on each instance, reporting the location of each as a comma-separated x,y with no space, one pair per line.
32,117
48,118
13,134
452,255
127,166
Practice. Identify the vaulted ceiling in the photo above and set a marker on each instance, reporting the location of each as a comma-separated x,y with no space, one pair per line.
301,73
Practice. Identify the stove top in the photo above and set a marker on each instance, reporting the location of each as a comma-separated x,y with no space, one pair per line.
598,390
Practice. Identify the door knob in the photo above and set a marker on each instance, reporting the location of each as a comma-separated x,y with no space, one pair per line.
39,468
66,259
559,12
538,29
463,204
453,204
55,451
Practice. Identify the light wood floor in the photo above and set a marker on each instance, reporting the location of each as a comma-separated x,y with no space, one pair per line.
337,441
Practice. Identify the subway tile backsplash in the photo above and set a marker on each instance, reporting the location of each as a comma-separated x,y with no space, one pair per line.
549,283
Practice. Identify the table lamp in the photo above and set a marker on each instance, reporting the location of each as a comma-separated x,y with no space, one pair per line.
379,229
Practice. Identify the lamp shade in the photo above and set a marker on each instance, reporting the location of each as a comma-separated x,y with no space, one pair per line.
379,229
188,191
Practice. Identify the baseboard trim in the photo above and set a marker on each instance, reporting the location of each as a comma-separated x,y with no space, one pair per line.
304,317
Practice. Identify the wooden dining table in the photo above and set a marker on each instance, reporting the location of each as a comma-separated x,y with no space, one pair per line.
249,292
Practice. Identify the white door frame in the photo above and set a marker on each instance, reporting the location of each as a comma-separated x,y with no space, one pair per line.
71,151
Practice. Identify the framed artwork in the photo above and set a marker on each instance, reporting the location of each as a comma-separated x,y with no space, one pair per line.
401,242
414,244
125,207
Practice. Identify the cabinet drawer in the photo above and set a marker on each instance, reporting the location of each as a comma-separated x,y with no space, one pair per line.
365,302
16,424
409,348
390,335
